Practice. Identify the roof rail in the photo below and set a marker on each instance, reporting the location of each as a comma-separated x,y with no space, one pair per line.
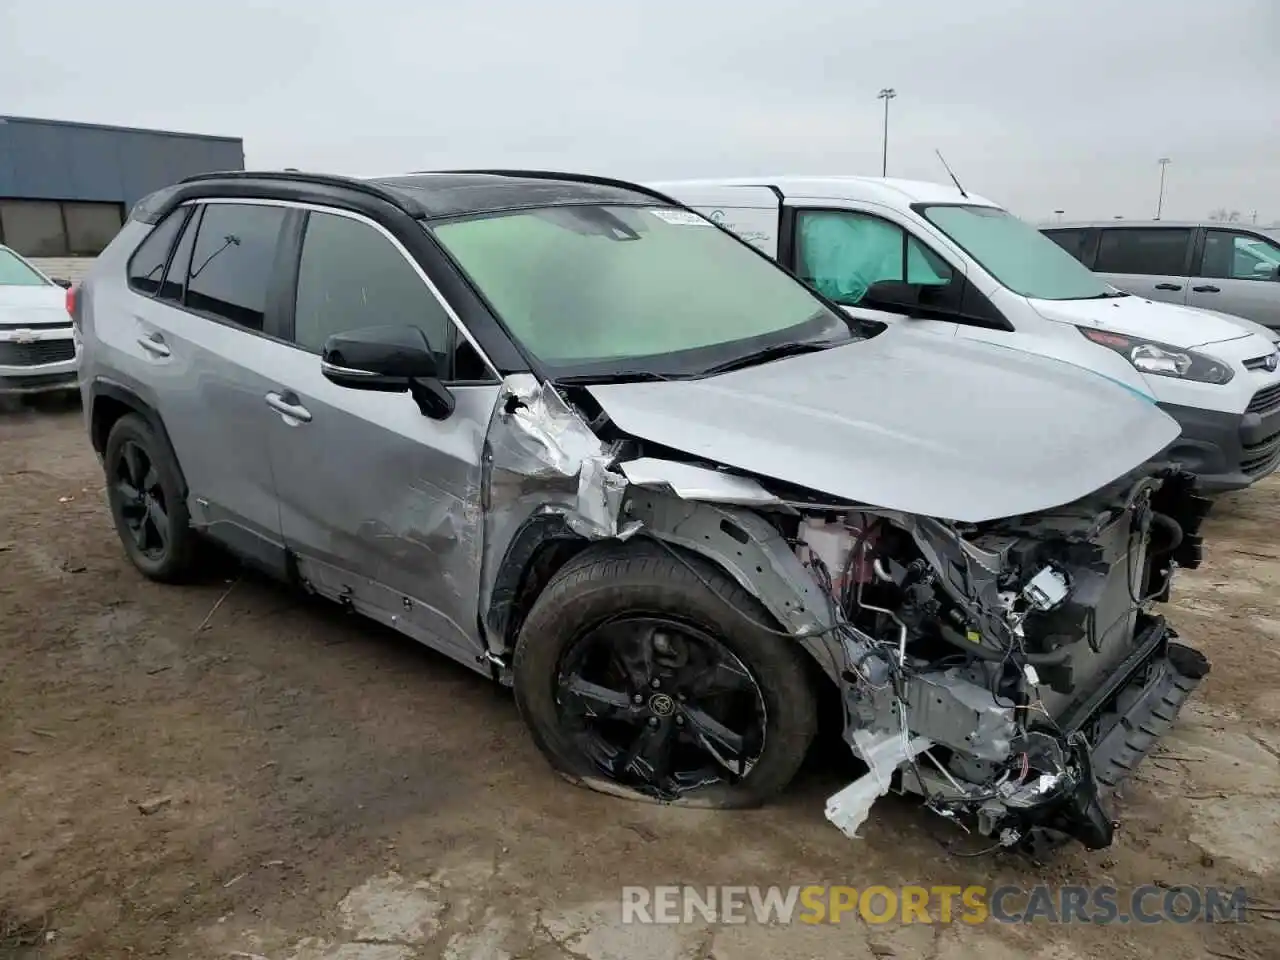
579,177
394,197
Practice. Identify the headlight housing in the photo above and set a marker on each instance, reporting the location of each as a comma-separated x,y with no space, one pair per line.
1162,359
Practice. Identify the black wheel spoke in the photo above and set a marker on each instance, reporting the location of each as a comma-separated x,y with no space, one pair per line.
600,700
135,465
127,492
152,480
715,731
159,521
650,754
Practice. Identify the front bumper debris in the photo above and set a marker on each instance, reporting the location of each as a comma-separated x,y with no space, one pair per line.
1083,757
1109,735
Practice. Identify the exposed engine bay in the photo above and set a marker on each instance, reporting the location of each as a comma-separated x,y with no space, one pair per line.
996,663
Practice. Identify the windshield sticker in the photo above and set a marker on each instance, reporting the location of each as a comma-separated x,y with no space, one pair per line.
682,218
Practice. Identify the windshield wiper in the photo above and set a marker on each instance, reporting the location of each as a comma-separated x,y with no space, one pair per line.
776,352
1109,295
615,376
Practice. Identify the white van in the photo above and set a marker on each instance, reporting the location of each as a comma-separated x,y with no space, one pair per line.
957,265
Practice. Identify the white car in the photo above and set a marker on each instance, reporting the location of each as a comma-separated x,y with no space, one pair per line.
935,258
37,341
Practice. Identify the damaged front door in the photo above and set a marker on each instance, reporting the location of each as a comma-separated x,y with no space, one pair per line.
380,503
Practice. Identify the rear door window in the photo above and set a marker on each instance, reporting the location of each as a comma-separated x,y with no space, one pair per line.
232,262
1155,251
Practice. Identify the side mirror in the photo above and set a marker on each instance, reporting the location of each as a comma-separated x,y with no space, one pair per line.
63,282
389,360
892,293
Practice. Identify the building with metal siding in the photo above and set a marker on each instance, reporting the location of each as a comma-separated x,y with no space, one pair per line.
65,188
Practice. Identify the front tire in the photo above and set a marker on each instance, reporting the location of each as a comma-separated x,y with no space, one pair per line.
652,674
146,501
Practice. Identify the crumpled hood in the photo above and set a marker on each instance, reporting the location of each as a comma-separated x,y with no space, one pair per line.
954,429
1169,323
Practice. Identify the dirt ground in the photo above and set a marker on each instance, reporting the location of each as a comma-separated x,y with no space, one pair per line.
316,787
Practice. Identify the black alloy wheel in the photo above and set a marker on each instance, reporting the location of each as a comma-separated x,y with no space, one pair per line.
141,499
650,673
661,706
147,500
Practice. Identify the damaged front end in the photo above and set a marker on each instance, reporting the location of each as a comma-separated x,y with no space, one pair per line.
1011,672
1011,669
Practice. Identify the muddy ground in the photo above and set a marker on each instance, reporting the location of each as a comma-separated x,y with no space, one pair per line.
323,788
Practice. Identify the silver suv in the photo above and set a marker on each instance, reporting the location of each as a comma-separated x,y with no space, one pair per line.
577,437
1227,267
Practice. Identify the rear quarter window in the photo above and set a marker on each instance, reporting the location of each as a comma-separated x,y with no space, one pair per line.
146,266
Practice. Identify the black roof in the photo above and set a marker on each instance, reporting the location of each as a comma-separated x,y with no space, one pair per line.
423,196
456,193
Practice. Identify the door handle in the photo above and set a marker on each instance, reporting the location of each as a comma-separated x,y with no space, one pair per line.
288,405
154,344
1168,286
1207,288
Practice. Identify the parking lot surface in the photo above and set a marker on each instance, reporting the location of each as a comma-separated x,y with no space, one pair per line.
232,769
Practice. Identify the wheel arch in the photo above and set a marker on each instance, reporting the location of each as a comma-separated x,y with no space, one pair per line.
108,402
538,551
735,542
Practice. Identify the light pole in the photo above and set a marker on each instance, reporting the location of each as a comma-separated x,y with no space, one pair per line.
1164,162
1059,214
886,94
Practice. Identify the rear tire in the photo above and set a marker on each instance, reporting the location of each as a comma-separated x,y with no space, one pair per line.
146,499
671,605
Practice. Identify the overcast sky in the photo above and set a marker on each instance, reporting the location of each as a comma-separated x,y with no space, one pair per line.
1040,105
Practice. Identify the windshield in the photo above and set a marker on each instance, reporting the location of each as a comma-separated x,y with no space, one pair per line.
15,273
1016,253
599,288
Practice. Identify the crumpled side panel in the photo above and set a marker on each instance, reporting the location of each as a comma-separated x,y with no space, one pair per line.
535,434
691,482
541,458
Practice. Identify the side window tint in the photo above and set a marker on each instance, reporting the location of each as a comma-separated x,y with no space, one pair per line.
842,254
1239,256
174,287
146,266
1160,251
232,262
1071,241
351,276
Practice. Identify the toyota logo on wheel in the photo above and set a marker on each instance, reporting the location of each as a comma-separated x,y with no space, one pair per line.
662,705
